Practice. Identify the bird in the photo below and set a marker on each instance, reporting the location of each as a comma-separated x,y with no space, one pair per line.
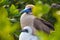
28,19
26,34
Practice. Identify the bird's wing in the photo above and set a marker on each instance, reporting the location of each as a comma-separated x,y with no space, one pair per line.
41,24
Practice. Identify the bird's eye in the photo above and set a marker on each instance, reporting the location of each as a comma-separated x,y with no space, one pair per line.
26,30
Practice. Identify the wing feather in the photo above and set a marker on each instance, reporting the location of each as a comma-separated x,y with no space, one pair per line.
43,25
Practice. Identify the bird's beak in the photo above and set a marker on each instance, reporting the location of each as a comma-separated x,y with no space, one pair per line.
24,10
24,30
19,31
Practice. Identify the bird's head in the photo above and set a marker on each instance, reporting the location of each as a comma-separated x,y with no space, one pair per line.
27,29
27,9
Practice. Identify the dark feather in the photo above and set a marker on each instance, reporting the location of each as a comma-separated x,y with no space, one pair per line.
47,24
42,25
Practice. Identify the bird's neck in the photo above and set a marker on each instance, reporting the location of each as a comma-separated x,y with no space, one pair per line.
26,14
26,19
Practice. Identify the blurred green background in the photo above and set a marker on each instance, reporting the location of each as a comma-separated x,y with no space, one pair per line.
10,17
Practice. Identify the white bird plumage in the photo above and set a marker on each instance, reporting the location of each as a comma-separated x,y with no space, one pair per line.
27,35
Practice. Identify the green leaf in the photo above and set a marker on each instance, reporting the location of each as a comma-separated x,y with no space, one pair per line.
46,8
6,28
3,2
40,9
13,10
3,17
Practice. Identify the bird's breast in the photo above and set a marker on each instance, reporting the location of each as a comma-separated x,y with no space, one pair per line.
24,36
26,20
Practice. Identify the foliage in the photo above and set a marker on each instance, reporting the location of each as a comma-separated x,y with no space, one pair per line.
10,17
6,28
40,9
51,1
